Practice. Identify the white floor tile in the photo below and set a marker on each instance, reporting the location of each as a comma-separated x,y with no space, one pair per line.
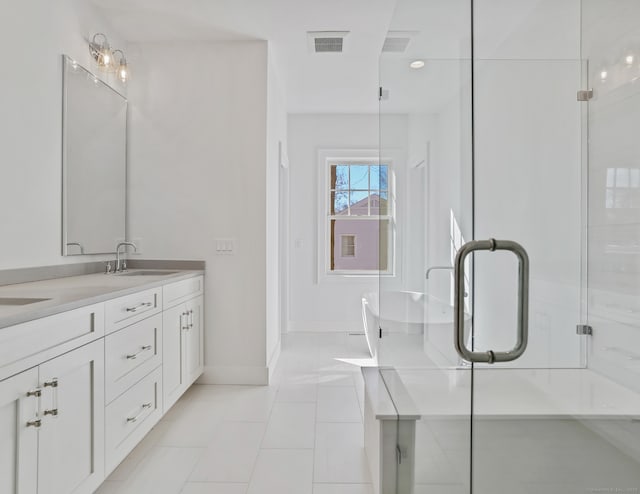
342,489
291,425
164,471
231,454
297,393
252,405
193,426
338,404
109,487
339,454
213,488
140,452
282,471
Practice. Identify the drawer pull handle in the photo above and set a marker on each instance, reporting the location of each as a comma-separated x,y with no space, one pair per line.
133,356
34,423
35,393
53,411
139,306
135,419
186,326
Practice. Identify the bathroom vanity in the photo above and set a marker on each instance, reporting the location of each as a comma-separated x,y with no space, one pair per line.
88,365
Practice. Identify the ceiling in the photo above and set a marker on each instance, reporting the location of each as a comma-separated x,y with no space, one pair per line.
314,83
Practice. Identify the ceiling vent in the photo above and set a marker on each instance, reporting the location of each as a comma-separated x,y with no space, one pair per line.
397,41
326,41
395,45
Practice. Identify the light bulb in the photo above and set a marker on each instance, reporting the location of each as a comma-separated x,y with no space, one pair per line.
123,72
603,75
628,60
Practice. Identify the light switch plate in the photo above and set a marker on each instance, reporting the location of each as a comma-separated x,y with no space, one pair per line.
225,246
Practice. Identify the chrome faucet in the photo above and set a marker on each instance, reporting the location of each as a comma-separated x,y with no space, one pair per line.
433,268
121,263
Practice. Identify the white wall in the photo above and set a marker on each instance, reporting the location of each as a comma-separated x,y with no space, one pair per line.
34,35
199,172
276,156
334,304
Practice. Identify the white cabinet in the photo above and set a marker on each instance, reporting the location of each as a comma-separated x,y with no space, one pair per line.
130,354
71,442
193,358
79,389
130,416
123,311
182,356
19,433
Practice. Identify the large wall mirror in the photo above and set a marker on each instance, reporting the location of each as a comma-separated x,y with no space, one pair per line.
94,166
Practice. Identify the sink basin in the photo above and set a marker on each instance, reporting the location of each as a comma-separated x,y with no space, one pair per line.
148,272
20,301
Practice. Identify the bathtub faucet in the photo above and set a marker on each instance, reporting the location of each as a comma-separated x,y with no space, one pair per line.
433,268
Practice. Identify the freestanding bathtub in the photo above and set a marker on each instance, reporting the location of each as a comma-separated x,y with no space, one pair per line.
414,325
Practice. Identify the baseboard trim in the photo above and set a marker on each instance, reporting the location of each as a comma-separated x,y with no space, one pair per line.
325,326
219,374
273,361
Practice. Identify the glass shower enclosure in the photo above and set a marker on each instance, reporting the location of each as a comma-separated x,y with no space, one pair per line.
510,318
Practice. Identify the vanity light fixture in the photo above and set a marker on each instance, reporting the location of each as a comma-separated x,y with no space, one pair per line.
107,59
101,51
123,67
417,64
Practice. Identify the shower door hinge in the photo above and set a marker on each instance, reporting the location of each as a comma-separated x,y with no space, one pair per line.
584,329
383,94
380,332
585,95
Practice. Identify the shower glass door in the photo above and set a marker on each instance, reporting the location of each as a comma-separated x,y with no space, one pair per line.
558,419
426,138
520,123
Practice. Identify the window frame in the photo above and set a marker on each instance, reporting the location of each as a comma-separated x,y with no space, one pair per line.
326,158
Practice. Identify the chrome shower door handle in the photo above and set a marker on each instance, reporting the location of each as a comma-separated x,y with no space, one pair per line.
491,356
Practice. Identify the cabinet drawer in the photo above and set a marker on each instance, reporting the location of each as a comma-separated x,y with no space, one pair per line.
182,290
121,312
130,417
30,343
131,353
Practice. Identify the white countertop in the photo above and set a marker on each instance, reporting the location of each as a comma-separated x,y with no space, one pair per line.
77,291
518,393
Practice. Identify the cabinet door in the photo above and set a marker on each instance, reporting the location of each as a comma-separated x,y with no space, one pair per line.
174,383
19,441
71,444
193,355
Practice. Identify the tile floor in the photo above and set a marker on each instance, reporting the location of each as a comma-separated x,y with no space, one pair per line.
303,434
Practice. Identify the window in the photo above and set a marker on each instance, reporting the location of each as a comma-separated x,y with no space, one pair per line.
359,220
348,245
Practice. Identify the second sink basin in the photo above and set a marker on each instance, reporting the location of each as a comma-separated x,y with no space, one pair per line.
148,272
20,301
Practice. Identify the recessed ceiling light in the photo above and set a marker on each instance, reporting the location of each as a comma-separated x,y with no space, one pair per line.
417,64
